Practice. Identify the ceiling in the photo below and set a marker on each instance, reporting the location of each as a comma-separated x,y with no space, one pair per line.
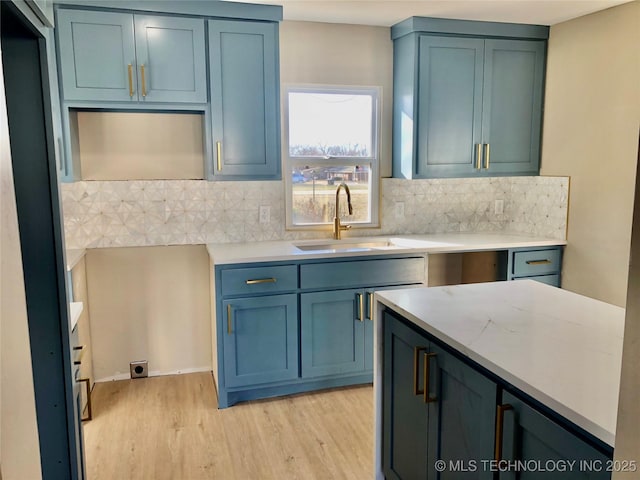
388,12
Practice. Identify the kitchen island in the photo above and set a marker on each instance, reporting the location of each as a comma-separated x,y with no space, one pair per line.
515,362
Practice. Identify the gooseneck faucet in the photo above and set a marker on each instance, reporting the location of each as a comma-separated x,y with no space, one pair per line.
337,227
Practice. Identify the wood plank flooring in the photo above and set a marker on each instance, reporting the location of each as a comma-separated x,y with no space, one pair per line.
170,428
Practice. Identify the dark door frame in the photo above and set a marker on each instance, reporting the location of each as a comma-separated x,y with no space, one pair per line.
35,178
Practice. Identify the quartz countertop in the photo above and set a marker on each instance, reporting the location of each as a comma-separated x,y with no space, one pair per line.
561,348
74,255
283,250
75,310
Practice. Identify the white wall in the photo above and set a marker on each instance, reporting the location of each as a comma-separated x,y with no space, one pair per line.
627,437
592,107
337,54
149,303
18,427
140,146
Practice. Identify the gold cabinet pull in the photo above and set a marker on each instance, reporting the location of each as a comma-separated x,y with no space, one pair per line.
370,305
87,384
360,306
260,280
130,71
478,155
500,429
219,155
143,80
538,262
229,331
416,369
487,155
427,398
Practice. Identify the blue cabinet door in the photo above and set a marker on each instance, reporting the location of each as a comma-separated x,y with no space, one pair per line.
530,436
243,60
171,59
260,340
405,416
451,419
369,326
332,332
97,55
512,106
449,105
462,417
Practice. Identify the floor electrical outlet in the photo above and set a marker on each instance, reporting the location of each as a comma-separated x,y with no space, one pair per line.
139,369
399,212
498,208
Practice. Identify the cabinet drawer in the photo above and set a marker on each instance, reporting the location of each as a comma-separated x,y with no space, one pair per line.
248,281
553,280
363,273
536,262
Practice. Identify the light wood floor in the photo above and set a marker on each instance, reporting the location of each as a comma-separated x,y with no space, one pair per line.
170,428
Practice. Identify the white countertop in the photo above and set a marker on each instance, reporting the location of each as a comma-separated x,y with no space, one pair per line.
74,255
563,349
283,250
75,310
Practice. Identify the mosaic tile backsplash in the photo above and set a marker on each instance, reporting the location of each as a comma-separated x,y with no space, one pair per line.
177,212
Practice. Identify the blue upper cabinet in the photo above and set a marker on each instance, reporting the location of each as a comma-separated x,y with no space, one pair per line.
97,55
171,59
467,98
121,57
512,106
243,62
449,104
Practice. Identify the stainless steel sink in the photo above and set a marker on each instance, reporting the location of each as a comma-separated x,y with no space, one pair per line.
345,246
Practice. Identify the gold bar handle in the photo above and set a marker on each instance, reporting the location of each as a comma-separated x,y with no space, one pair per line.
143,79
500,429
416,368
538,262
478,155
360,306
130,71
487,155
229,331
427,398
219,155
260,280
87,383
371,306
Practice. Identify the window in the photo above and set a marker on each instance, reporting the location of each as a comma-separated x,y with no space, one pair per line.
331,137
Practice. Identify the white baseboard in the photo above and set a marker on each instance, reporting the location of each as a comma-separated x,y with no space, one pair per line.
154,373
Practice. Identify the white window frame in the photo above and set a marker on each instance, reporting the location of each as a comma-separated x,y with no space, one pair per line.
374,160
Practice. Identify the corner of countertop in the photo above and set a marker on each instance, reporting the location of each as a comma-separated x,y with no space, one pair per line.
73,256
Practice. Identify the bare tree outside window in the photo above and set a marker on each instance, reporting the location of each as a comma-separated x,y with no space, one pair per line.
332,138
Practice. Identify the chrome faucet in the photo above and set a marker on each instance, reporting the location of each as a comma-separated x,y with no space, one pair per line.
337,227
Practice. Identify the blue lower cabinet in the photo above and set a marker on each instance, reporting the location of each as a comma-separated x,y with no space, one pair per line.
405,416
435,407
543,264
462,417
438,407
293,327
530,436
332,332
260,340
